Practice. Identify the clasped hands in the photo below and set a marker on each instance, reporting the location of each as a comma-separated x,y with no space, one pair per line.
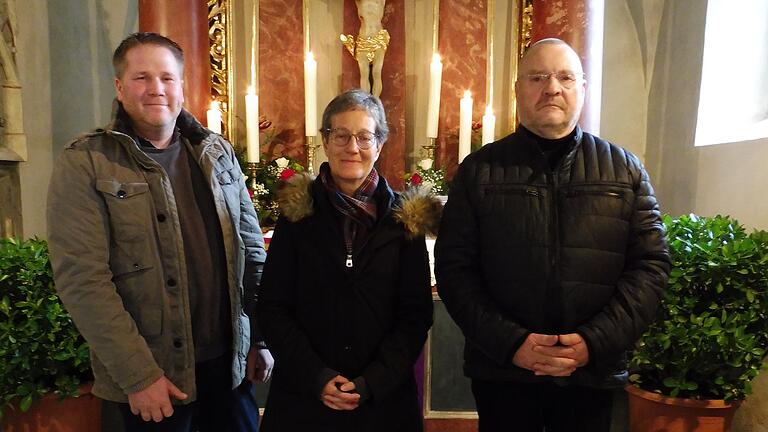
338,394
554,355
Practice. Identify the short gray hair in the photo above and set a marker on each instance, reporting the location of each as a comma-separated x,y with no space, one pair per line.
352,100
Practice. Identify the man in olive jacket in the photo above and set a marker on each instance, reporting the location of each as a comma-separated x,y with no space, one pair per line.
155,248
551,258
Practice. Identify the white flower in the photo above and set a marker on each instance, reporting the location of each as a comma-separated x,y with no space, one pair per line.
428,185
425,164
282,162
259,189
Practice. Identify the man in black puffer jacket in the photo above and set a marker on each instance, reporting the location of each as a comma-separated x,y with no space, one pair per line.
551,258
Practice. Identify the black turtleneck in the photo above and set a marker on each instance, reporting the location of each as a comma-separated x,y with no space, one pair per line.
554,149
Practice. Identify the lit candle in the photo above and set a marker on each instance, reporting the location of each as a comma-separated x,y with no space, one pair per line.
433,112
465,125
310,95
252,125
489,126
214,117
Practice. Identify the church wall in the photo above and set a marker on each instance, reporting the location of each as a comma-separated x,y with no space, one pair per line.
64,58
719,179
33,63
624,97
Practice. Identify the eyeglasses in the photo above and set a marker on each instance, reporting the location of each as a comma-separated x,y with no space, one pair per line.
340,138
566,79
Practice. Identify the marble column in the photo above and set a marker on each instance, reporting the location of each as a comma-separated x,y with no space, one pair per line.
580,24
281,76
463,47
391,162
186,23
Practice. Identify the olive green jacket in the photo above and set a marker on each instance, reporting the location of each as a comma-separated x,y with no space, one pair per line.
117,255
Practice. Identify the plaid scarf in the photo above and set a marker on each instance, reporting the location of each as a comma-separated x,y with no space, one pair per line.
358,210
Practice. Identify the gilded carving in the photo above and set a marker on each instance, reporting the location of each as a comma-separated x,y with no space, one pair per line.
526,25
218,38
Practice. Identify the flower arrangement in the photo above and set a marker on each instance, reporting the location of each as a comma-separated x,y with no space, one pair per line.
269,171
264,184
428,176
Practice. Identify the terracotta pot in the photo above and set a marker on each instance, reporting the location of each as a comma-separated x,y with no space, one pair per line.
652,412
49,414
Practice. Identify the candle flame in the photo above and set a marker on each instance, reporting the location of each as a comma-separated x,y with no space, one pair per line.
214,105
251,90
467,94
310,56
436,58
488,110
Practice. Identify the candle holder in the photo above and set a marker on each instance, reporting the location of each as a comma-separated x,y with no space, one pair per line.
251,168
430,149
311,147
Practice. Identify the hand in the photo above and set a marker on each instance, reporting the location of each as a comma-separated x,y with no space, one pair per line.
570,353
258,367
154,403
530,356
336,394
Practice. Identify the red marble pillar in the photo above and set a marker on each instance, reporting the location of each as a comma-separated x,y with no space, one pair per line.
281,76
463,47
580,24
391,162
186,23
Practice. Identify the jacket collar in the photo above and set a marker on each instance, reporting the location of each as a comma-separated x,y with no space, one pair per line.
416,209
186,124
530,139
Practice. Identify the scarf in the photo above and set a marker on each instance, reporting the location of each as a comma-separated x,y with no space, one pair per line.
358,211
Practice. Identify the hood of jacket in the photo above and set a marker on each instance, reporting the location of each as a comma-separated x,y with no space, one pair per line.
415,208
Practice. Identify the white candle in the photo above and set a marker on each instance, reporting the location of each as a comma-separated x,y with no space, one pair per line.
489,126
435,79
252,125
310,95
465,125
214,117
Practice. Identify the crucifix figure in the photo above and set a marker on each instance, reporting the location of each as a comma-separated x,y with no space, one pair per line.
370,45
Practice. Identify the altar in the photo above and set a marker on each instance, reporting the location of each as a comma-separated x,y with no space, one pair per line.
444,70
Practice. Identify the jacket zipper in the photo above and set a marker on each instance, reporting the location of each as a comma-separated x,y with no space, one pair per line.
348,263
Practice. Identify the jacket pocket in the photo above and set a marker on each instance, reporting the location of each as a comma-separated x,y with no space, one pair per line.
128,206
512,215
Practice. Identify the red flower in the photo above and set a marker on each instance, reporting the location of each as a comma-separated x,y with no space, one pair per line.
476,125
287,173
415,179
250,192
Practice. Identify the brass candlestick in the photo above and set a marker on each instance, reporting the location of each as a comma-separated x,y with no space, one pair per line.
311,147
251,168
430,149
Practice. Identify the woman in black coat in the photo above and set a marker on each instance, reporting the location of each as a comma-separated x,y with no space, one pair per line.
345,301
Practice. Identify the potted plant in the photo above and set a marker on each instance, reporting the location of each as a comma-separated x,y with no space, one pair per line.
43,358
711,332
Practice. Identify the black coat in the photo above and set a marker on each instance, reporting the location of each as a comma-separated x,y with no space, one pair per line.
523,248
370,321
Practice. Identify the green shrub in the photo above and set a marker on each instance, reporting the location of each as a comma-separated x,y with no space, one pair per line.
41,351
711,333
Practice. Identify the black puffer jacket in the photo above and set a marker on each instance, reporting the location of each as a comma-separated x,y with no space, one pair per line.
523,248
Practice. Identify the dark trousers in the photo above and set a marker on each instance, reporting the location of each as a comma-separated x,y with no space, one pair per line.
521,407
217,408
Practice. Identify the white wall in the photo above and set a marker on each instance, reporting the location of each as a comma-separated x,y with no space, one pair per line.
64,56
652,72
33,59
